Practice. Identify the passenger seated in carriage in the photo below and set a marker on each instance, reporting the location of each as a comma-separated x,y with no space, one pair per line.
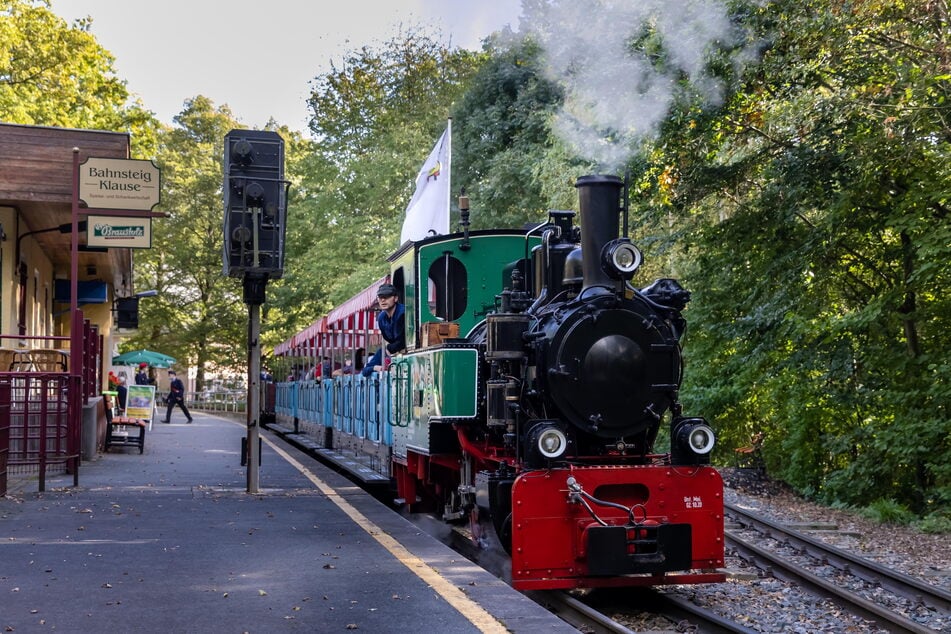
346,369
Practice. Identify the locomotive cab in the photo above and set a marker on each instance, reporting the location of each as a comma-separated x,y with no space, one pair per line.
454,279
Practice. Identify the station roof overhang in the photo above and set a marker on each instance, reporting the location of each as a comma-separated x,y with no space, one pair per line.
36,179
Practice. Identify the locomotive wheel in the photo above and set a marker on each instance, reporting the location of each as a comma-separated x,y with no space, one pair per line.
504,534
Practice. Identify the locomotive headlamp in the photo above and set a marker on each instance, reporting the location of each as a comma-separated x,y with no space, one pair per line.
620,259
700,439
692,441
552,443
545,441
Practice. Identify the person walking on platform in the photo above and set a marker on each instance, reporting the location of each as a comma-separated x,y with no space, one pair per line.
176,396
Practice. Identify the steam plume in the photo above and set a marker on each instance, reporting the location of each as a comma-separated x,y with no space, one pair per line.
617,93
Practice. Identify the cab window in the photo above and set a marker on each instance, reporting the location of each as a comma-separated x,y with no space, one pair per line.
447,288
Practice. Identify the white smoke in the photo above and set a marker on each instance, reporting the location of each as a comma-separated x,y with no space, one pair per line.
614,95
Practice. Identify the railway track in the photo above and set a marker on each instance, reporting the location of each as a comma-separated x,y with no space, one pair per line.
604,611
653,609
634,610
787,553
577,613
600,611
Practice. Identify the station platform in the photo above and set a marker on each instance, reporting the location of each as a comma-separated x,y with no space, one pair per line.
170,541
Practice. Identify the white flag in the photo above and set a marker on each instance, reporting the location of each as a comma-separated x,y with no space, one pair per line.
428,212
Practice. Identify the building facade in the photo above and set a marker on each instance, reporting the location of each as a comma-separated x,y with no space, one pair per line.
36,194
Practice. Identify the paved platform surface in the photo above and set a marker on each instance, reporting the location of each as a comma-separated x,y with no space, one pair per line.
170,541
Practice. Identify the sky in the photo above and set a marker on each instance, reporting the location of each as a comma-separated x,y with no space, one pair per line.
259,56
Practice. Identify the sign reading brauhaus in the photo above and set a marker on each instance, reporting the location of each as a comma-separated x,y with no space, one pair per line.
117,231
130,184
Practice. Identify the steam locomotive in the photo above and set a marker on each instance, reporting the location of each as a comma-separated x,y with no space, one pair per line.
528,400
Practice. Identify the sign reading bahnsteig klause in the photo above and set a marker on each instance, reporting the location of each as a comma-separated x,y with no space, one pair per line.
131,184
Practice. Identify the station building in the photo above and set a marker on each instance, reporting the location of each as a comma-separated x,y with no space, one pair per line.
36,198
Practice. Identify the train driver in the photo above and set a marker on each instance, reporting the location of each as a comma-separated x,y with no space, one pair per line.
392,323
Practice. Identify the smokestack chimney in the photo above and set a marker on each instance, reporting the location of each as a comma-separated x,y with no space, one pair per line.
599,200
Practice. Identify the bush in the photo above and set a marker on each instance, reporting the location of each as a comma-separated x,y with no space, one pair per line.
935,523
888,511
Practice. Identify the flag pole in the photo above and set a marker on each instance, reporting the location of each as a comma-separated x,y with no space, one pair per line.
449,173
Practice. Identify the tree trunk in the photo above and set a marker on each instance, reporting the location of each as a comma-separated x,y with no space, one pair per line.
909,304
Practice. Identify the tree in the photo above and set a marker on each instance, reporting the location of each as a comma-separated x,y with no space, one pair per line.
375,117
511,165
58,75
813,208
198,316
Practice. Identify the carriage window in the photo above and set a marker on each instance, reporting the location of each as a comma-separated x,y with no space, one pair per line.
448,286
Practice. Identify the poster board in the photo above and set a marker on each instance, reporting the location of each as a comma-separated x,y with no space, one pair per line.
139,401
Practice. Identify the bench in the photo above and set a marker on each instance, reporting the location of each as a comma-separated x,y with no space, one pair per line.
749,457
122,431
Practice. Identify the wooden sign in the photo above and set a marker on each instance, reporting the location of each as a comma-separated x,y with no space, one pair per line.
131,184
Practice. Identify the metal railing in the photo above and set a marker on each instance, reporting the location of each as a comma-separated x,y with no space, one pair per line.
42,401
214,401
37,408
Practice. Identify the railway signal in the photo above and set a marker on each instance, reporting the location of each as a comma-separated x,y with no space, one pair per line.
255,204
255,197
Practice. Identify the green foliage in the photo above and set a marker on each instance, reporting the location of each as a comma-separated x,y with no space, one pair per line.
504,152
935,523
810,214
886,511
58,75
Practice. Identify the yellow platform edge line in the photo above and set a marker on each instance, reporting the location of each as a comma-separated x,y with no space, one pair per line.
455,597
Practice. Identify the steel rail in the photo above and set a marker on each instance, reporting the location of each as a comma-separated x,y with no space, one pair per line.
576,613
786,570
895,582
579,614
705,620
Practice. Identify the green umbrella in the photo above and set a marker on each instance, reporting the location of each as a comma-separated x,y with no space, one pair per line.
154,359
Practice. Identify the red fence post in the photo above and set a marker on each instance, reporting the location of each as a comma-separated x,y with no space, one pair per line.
77,366
4,434
43,428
